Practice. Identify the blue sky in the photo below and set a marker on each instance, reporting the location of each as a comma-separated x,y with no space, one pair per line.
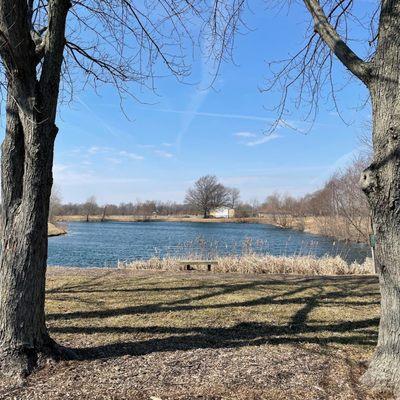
184,131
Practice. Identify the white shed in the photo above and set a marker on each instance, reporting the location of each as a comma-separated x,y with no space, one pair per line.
223,212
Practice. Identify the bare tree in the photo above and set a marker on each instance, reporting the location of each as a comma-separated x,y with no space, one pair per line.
113,42
349,201
55,203
207,194
378,71
233,197
272,204
90,207
340,208
104,214
255,206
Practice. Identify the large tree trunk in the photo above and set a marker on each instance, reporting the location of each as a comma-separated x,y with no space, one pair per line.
27,158
384,370
26,180
381,183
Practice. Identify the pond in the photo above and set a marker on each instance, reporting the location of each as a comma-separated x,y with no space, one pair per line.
102,244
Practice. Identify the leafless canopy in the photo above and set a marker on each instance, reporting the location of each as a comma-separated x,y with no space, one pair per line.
120,41
208,194
308,75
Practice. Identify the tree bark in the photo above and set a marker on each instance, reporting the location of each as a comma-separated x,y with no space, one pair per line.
381,183
27,157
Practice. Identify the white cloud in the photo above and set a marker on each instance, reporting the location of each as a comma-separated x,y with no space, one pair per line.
132,156
245,134
98,149
256,139
112,154
71,175
59,168
113,160
262,140
217,115
164,154
90,156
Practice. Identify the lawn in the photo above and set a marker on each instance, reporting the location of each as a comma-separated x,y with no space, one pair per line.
190,335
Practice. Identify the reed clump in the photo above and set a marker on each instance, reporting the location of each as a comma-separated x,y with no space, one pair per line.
261,264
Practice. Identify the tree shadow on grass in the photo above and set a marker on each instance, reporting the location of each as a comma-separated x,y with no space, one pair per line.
298,330
240,335
344,288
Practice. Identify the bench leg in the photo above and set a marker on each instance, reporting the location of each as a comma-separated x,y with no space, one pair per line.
188,267
209,267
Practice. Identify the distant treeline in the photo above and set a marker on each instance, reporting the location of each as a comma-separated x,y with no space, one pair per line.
340,207
140,208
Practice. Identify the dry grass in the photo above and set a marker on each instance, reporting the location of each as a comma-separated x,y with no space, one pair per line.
55,230
168,335
262,264
337,227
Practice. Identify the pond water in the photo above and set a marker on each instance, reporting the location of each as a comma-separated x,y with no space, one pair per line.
102,244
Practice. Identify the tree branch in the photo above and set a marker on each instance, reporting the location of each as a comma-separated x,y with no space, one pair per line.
360,68
54,43
16,45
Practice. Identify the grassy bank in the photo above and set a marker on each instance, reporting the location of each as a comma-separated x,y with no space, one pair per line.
55,230
261,264
143,335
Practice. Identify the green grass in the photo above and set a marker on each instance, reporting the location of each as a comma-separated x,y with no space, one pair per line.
176,335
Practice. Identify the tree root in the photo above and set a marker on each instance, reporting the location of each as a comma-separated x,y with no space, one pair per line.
383,375
18,363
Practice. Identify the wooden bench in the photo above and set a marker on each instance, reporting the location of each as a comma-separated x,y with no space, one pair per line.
188,264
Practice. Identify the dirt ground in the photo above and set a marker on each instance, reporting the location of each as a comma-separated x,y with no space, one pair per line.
163,335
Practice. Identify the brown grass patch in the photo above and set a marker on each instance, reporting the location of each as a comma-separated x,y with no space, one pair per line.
143,334
54,230
261,264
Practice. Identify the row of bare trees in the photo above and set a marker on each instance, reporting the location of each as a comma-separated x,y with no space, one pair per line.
340,207
206,195
139,208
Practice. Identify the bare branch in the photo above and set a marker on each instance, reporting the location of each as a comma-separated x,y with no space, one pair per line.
308,77
16,45
54,43
329,35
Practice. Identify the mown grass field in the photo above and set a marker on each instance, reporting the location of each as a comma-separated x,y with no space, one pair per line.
190,335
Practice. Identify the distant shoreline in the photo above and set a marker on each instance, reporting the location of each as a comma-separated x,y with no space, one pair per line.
135,218
324,226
